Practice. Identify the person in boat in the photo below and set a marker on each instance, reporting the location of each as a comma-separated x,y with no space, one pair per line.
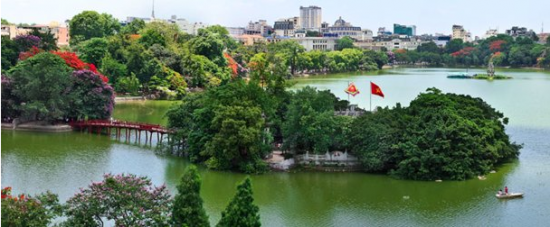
506,190
500,192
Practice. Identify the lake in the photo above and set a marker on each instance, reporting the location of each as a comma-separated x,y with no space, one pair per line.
64,162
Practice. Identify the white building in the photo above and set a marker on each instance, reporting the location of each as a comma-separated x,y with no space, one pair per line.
317,43
186,26
460,33
310,17
490,33
391,43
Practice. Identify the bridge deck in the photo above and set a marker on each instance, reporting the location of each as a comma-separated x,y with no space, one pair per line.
121,124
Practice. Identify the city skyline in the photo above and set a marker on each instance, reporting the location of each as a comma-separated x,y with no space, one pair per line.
429,16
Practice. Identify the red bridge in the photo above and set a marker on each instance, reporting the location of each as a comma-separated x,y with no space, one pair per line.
107,125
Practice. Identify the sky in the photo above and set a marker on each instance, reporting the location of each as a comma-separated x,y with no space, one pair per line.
429,16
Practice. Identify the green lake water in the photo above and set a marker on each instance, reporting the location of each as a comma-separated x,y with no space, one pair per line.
63,162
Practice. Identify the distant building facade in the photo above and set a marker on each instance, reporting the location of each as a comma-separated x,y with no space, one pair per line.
460,33
342,28
186,26
286,27
517,31
317,43
310,18
259,27
399,29
490,33
61,33
391,43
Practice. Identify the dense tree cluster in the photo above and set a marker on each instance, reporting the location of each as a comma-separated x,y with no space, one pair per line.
439,136
503,50
72,92
129,200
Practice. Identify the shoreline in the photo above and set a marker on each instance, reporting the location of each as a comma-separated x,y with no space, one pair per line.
37,127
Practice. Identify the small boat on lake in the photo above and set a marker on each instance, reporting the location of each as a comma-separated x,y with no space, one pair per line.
459,75
510,195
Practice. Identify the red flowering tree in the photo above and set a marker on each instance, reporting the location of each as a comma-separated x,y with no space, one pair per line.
74,62
464,52
24,210
496,45
27,54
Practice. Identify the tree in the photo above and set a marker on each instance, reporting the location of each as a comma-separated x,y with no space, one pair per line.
30,77
5,22
90,24
91,98
290,50
113,69
48,41
93,50
133,27
343,43
128,200
26,42
10,53
209,44
241,211
309,122
454,46
439,136
151,36
188,209
430,47
548,40
224,127
25,210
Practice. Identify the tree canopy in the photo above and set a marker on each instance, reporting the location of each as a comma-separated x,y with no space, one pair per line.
439,136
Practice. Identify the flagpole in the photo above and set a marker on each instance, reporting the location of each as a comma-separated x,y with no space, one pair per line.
370,102
348,95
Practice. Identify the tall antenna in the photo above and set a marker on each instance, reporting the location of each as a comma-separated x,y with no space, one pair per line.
153,12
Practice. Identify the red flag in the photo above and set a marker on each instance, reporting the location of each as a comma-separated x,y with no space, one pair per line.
352,90
375,90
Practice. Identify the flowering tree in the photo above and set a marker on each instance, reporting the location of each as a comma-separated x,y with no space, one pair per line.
24,210
496,46
90,96
128,200
26,42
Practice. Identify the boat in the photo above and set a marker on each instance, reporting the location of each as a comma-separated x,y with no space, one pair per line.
510,195
459,75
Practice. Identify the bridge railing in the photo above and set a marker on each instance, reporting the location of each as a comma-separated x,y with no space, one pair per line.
121,124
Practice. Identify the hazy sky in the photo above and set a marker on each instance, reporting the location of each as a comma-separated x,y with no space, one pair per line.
430,16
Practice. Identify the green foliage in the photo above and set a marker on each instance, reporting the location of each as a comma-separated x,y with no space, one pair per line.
112,68
152,36
5,22
90,24
241,211
128,84
22,211
209,44
313,34
32,76
224,126
187,209
10,53
343,43
439,136
310,124
454,45
48,41
90,97
93,50
428,47
128,200
133,27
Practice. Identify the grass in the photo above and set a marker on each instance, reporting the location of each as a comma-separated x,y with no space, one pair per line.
486,77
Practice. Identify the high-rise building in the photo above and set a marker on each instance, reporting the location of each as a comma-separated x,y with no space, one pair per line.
520,31
310,17
399,29
460,33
